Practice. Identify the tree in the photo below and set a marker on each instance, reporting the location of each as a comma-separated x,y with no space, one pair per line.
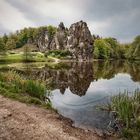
51,30
101,49
5,39
113,46
11,43
27,53
2,45
134,51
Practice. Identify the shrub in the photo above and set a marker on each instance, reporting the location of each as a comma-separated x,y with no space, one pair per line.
58,53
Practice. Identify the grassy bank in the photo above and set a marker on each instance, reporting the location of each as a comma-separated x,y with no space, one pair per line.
127,109
15,86
21,57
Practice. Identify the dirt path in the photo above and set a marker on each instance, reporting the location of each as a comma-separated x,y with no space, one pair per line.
19,121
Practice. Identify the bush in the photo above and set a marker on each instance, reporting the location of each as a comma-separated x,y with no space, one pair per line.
58,53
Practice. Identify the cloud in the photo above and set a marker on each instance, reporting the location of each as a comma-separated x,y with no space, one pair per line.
49,11
116,18
11,18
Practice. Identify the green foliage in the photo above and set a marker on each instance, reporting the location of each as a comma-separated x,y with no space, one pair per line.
110,48
51,30
13,85
35,89
5,39
100,49
113,47
2,45
58,53
22,37
128,113
27,53
134,50
11,42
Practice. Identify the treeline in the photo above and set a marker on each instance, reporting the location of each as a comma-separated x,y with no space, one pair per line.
104,48
110,48
22,37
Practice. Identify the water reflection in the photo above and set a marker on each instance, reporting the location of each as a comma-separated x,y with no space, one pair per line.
77,88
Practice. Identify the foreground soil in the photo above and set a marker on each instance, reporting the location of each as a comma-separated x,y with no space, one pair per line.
19,121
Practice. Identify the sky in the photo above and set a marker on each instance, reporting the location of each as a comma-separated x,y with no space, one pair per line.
116,18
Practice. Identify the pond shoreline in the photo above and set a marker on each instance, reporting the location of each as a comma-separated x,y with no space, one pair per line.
22,121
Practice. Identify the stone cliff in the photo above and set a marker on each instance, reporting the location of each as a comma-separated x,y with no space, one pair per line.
77,39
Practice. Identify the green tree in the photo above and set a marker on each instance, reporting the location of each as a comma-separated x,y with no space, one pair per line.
5,39
2,45
27,53
134,51
113,47
11,43
101,49
51,30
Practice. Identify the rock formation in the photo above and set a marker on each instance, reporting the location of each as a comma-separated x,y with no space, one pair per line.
43,40
77,39
59,41
80,41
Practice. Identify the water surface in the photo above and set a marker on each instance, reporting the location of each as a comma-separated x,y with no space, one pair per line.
78,88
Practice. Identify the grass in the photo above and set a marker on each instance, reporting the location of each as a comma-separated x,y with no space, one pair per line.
27,55
21,57
128,113
13,85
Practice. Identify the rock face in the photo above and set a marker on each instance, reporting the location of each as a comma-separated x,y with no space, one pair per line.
80,41
60,38
77,39
43,40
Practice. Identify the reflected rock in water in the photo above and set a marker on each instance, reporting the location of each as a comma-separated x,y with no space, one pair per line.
77,78
80,77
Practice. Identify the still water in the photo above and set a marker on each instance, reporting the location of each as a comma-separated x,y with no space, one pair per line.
78,88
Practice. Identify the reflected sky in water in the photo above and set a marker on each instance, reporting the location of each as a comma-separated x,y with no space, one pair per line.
98,90
78,88
83,109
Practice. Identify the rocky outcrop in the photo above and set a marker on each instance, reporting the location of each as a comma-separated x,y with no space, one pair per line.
77,39
60,38
80,41
43,40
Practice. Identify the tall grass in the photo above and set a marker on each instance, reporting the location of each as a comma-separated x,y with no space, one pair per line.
128,113
35,89
15,86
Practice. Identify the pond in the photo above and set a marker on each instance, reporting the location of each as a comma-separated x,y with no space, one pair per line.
78,88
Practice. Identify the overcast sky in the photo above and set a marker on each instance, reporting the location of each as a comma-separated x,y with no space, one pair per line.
116,18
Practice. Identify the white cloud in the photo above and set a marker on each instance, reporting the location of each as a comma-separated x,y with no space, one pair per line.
98,26
11,18
62,10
